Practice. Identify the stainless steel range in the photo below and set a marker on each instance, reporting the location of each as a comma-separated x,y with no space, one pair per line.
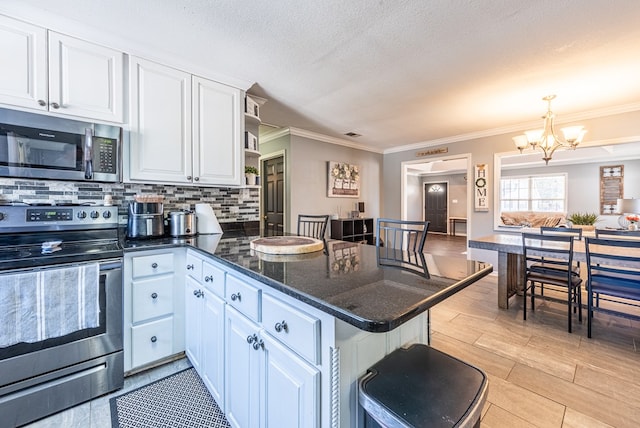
60,308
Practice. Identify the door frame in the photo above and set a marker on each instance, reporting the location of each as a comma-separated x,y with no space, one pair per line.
263,183
404,184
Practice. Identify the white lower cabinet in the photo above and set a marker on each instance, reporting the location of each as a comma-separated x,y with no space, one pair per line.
204,336
290,387
270,380
153,306
242,371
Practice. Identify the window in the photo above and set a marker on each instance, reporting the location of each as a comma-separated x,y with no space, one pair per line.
534,193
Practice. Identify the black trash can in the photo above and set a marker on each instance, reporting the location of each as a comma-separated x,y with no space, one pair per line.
420,386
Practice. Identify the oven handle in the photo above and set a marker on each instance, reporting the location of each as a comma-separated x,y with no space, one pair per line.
110,265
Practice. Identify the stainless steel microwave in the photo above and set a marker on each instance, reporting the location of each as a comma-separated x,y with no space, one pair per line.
47,147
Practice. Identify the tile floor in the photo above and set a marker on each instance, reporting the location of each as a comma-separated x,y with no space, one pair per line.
539,375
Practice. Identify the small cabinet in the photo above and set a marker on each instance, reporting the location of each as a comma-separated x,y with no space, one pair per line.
184,129
353,230
52,72
153,307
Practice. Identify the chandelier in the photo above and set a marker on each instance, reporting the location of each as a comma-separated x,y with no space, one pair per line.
546,139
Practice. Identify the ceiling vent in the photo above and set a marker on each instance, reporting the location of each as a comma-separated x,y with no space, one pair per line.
353,134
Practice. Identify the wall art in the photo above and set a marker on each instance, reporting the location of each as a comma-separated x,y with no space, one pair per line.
343,180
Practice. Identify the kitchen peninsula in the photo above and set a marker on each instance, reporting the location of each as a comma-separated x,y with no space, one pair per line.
291,334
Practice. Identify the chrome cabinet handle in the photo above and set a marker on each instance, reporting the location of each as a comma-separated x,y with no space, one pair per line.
55,105
252,338
198,293
189,267
42,103
189,177
196,178
280,326
154,295
236,296
154,339
258,344
154,265
208,278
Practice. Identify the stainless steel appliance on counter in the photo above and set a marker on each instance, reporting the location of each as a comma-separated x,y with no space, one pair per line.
145,220
60,308
182,223
39,146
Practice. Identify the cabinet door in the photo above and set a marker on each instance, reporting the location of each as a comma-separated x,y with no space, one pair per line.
242,381
212,346
23,74
159,148
85,79
217,131
193,305
291,388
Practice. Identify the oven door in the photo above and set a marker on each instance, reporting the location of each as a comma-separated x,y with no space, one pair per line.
27,354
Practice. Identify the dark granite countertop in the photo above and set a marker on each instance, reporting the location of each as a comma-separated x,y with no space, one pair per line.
353,282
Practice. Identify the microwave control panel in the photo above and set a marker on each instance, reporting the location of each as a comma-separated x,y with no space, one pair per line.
105,155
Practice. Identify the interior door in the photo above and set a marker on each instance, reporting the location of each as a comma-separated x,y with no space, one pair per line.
273,208
435,206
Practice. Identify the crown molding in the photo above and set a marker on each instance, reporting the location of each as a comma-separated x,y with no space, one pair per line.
517,128
298,132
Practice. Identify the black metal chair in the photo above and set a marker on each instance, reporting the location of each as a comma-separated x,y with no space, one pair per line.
402,234
617,233
313,226
614,276
549,260
421,386
562,231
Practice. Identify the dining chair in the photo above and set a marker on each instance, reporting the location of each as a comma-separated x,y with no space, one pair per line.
617,233
313,226
576,232
549,260
613,276
401,234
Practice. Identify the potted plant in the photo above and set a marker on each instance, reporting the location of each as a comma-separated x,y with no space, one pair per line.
250,172
585,221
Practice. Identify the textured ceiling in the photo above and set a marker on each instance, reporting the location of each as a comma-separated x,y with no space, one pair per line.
397,72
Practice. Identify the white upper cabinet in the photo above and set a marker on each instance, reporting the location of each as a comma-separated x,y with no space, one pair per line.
23,75
82,79
160,125
217,132
184,129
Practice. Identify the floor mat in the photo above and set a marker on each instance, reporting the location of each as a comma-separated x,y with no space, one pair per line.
179,400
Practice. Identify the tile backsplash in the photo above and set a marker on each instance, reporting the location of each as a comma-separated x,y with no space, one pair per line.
229,204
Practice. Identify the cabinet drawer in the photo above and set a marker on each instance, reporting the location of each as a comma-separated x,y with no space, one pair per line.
152,265
296,329
244,297
151,341
213,279
194,266
152,297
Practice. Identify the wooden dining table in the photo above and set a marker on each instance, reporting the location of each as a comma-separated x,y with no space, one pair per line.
510,261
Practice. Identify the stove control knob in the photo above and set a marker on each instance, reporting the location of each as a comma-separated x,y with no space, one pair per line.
94,214
106,214
82,214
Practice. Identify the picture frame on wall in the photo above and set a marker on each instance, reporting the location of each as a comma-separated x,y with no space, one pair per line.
343,180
